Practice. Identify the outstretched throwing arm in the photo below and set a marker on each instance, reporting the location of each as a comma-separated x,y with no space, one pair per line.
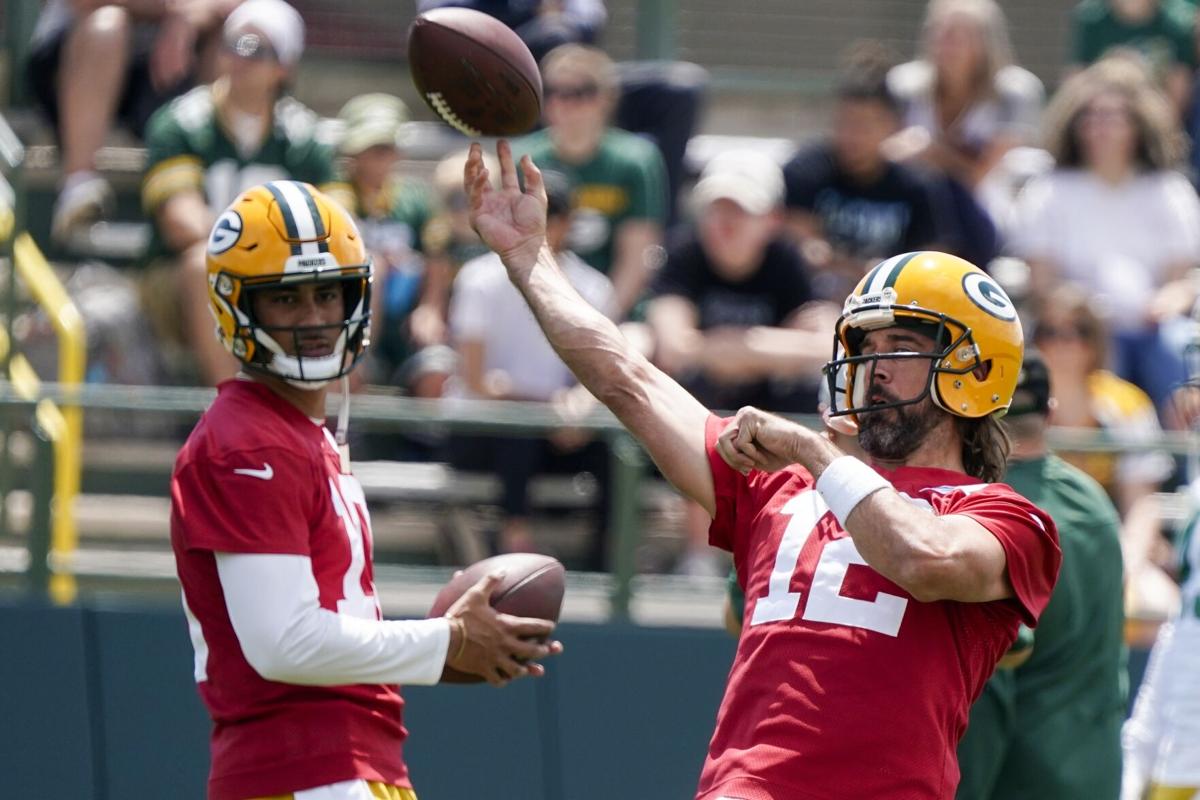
663,416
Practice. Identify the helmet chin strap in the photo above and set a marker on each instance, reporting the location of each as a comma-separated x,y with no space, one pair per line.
343,424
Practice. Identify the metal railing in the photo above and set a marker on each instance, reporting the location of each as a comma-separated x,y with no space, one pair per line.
387,413
56,427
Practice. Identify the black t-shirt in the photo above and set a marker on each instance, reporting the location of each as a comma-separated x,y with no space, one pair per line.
899,212
777,288
768,297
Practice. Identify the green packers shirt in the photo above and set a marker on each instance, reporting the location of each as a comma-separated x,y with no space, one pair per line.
189,149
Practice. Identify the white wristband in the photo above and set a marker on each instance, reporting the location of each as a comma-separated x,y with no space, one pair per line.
845,483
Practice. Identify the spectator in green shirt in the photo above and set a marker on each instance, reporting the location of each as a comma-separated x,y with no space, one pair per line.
618,180
203,150
1160,31
409,300
1051,727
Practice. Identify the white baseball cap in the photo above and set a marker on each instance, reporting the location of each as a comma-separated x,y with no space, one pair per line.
278,21
751,179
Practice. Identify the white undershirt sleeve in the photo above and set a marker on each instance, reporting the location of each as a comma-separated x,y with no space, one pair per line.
286,636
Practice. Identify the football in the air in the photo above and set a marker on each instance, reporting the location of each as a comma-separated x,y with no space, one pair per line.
533,586
474,72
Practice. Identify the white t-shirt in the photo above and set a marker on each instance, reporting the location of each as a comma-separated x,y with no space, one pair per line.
485,306
1013,108
1117,241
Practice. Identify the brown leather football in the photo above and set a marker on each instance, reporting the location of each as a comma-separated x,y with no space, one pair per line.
533,586
474,72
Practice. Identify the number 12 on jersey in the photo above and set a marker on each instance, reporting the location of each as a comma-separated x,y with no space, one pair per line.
825,602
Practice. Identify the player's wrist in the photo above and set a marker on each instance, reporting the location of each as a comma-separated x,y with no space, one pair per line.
845,483
458,640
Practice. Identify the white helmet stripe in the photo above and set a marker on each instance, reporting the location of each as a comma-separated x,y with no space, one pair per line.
298,207
883,272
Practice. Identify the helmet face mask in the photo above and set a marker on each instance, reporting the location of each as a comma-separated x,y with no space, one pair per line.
279,350
978,343
278,236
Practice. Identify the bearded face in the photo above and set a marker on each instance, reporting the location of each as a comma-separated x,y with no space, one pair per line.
893,434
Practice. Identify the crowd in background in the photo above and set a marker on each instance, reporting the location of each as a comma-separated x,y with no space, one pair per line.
1082,204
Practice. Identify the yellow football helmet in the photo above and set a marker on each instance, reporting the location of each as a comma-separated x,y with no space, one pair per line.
279,234
974,366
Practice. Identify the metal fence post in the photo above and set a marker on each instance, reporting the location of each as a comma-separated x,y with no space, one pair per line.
627,464
657,21
41,484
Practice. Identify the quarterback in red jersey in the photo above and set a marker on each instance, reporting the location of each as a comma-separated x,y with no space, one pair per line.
271,533
879,597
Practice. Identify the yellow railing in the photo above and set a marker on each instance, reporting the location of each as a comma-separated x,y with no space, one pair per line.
64,426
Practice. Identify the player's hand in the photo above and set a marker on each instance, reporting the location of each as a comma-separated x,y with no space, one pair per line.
498,647
758,440
510,221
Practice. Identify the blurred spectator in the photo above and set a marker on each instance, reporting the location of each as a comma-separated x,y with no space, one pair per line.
411,290
849,206
209,145
91,60
1073,342
964,100
503,355
617,179
1159,31
1114,216
542,24
727,311
663,100
1161,738
449,233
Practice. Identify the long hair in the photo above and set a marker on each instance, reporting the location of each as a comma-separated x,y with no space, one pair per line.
1160,138
985,447
992,25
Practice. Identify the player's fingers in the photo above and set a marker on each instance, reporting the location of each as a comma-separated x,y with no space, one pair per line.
510,668
555,647
732,457
508,171
472,167
488,583
533,179
527,626
535,670
523,650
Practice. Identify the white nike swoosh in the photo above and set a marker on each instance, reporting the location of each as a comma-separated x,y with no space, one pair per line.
266,473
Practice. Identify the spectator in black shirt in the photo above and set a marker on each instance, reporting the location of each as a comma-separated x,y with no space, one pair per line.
731,314
849,205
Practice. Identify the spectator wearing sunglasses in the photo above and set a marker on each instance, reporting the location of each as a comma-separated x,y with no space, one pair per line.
205,148
93,62
618,180
1073,340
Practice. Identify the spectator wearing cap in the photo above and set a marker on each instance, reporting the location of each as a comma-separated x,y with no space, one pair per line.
618,180
411,286
91,62
503,355
728,309
1048,727
207,146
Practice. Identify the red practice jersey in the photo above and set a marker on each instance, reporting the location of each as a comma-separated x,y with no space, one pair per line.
257,476
844,686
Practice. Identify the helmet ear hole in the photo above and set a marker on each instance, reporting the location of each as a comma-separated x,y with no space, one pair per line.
983,370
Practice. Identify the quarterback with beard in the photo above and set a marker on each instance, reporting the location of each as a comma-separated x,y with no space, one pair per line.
879,596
